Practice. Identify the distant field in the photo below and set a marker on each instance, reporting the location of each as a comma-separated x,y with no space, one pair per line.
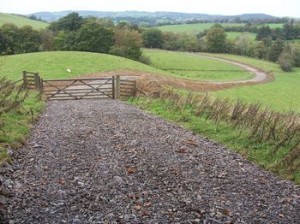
21,21
200,27
192,28
296,43
234,35
54,64
283,94
273,25
186,65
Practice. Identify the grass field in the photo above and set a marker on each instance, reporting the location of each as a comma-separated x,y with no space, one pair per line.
200,27
192,28
282,94
186,65
54,64
234,35
21,21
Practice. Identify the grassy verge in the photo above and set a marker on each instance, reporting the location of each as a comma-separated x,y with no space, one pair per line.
263,152
17,122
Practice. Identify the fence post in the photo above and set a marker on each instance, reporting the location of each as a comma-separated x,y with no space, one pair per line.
113,87
117,88
42,84
37,80
24,79
134,88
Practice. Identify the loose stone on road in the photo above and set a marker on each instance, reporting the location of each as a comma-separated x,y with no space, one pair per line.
102,161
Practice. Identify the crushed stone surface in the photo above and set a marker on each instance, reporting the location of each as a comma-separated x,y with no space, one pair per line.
103,161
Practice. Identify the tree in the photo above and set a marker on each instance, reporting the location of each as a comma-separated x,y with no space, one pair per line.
285,61
93,37
290,31
29,40
71,22
127,44
187,42
276,49
263,32
10,35
243,44
47,37
16,40
3,43
64,41
170,41
105,22
152,38
261,50
216,40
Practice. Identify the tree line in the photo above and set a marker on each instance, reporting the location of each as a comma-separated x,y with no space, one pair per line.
75,33
289,31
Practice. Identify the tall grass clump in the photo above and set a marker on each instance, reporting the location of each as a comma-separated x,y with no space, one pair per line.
18,108
270,138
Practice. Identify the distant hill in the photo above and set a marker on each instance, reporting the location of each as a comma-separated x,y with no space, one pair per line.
155,18
20,20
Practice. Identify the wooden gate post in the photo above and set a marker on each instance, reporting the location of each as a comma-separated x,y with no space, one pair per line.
37,81
24,79
117,87
134,88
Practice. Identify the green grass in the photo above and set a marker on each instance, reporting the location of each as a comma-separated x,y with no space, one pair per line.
54,64
192,28
223,133
200,27
282,94
21,21
17,123
234,35
186,65
272,25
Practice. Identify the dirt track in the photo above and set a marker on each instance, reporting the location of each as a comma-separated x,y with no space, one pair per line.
259,76
106,162
150,82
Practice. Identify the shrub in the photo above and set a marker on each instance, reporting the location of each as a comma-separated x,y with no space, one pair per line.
145,60
285,61
11,98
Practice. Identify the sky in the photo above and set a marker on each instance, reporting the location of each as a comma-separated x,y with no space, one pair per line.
280,8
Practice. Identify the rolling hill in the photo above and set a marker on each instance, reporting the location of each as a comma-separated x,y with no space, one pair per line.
158,17
20,21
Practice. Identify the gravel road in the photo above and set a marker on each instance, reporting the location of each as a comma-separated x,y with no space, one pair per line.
107,162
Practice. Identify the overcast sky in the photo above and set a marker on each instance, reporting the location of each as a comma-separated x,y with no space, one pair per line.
290,8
